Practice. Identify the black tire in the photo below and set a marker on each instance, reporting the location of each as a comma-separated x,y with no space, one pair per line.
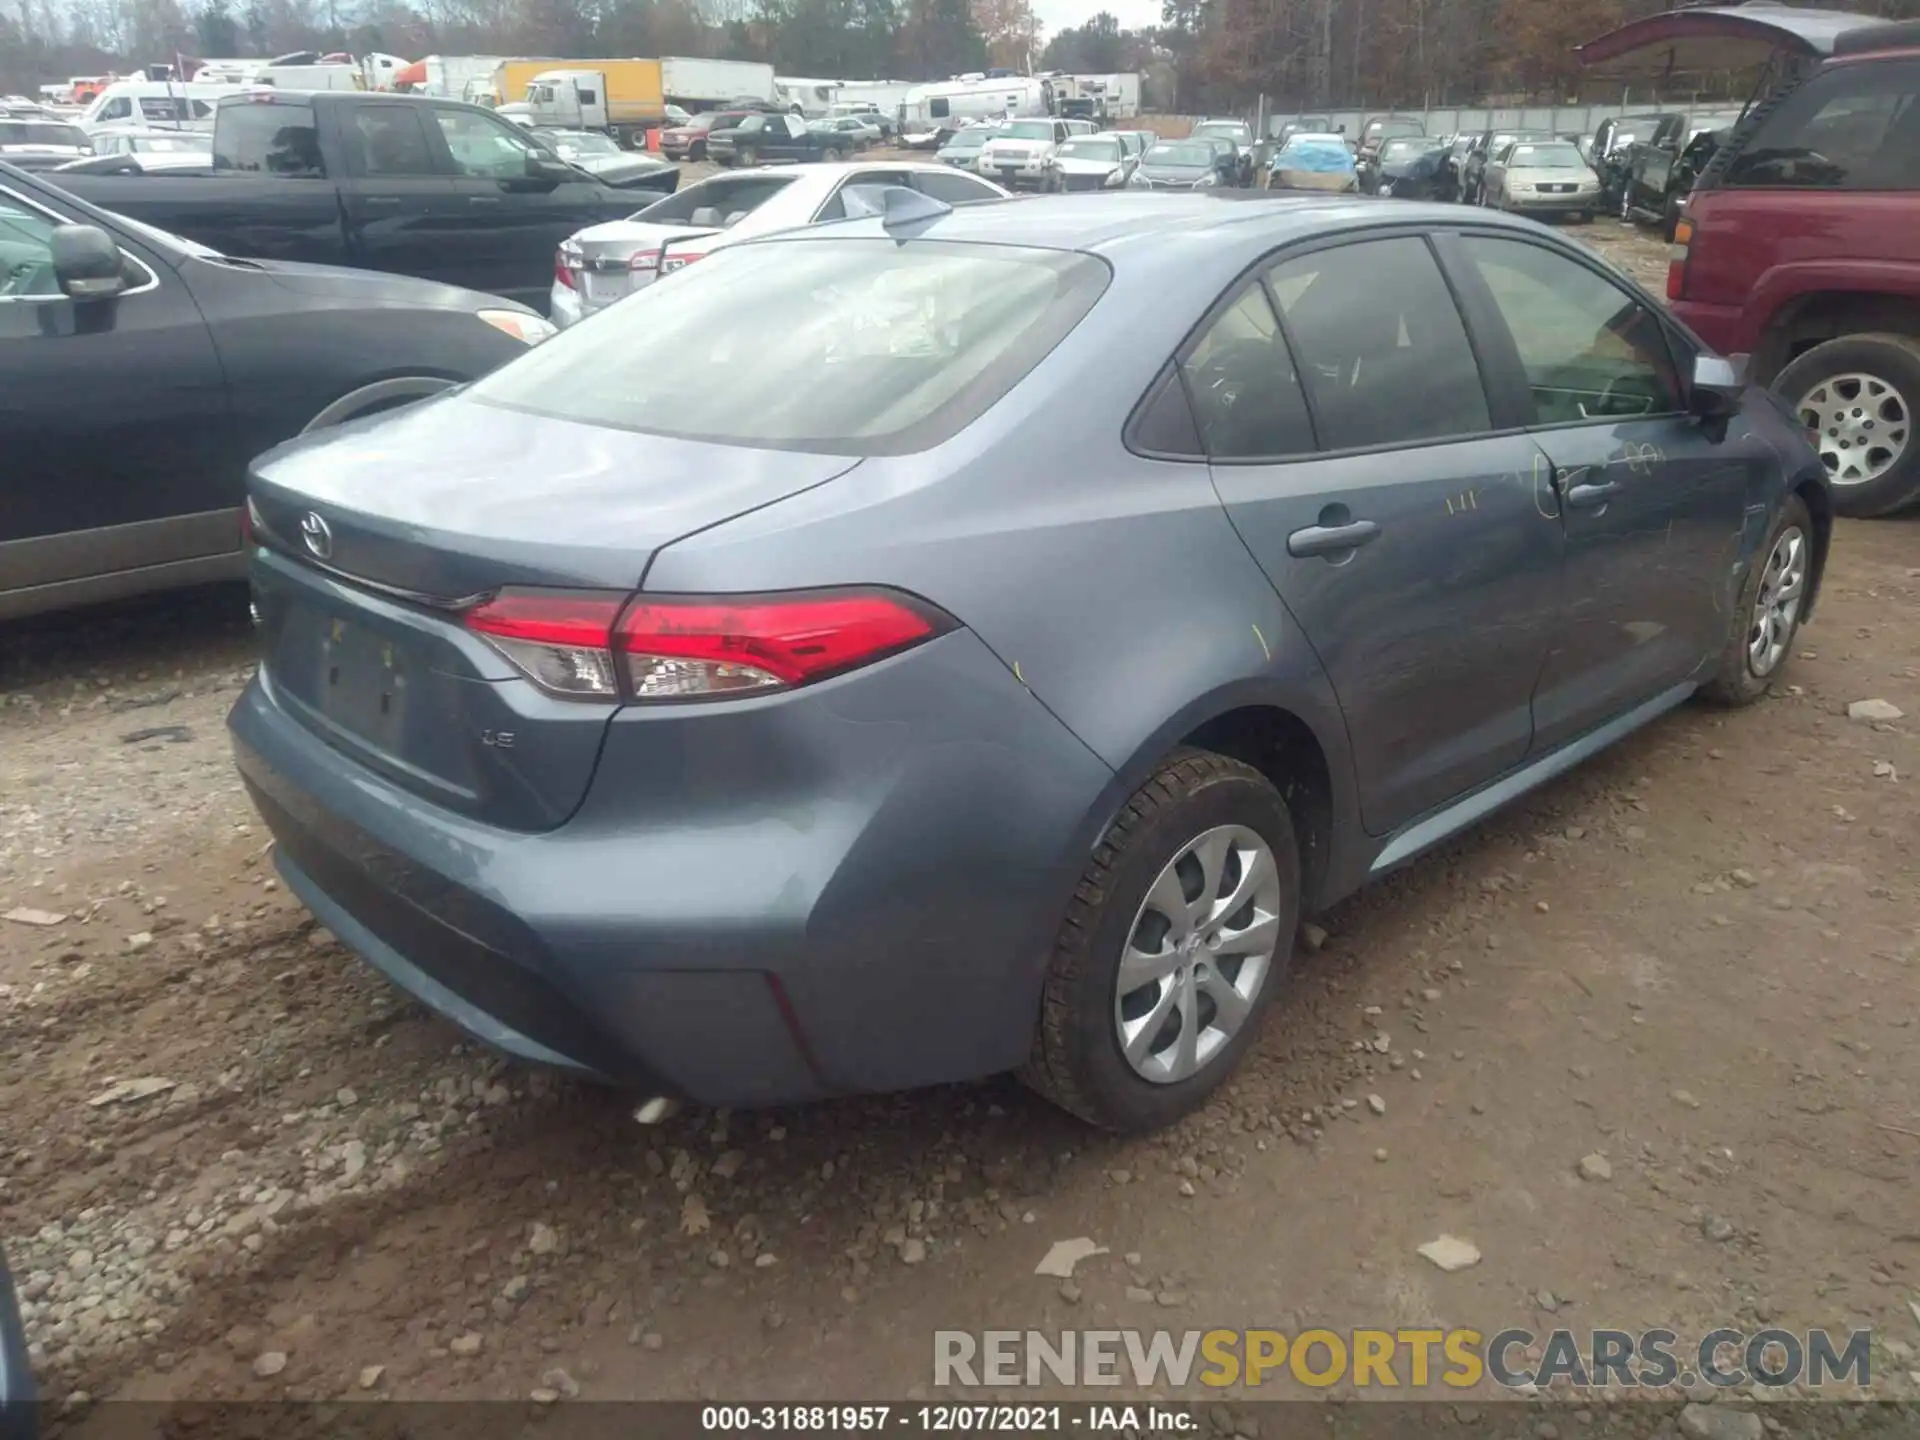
697,150
1735,682
1892,359
1077,1061
834,153
1585,217
745,156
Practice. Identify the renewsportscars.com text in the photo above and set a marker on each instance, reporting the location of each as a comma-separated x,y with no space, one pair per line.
1401,1359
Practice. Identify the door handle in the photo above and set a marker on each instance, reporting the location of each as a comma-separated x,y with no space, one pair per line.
380,199
1330,539
483,199
1586,497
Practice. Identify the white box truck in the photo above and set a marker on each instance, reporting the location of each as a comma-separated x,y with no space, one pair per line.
709,84
451,76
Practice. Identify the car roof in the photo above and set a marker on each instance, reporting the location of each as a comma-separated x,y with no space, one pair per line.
1221,223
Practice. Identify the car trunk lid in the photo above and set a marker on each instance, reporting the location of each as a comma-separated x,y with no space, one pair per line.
365,572
602,260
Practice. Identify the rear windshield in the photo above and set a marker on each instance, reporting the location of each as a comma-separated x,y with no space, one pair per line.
37,132
842,346
267,138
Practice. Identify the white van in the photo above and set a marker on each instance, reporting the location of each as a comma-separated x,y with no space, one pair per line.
150,103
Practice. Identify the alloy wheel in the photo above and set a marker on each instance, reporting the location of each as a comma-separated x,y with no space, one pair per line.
1776,606
1201,946
1860,424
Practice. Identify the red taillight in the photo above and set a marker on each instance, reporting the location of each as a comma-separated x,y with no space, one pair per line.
1677,260
645,260
562,273
687,647
671,263
561,639
584,645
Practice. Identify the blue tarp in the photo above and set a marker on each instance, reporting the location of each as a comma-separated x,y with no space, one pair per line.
1319,157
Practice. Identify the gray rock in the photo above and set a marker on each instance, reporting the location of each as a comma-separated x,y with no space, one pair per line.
1717,1228
912,1251
1595,1168
269,1364
1313,937
543,1239
1719,1422
1874,710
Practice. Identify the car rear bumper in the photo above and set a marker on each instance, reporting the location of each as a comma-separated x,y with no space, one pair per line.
851,888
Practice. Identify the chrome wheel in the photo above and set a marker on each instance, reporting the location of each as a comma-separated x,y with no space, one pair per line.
1776,607
1201,946
1860,425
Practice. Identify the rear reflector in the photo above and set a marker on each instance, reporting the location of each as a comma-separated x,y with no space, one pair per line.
592,645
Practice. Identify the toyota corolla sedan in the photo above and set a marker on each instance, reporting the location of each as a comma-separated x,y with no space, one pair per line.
994,630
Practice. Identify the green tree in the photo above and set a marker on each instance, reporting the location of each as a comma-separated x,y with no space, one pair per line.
219,32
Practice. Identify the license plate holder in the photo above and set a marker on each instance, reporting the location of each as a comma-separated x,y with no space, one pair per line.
605,287
362,682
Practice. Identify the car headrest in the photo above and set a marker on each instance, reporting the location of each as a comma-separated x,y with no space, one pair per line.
705,215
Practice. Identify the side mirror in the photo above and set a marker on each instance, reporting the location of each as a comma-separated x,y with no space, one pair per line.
550,169
1718,388
87,263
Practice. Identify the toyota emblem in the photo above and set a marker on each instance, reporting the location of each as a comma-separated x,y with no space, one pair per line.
318,536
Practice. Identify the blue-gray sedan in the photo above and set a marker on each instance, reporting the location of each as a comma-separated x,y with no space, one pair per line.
944,643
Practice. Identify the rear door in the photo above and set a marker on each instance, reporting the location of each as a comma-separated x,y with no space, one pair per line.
1653,502
401,209
116,446
1390,499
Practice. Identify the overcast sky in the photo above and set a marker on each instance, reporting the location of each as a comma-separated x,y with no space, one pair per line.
1060,15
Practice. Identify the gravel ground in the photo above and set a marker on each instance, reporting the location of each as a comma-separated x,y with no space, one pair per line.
1646,1040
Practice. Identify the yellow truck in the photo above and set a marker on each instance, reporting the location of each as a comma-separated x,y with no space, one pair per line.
627,97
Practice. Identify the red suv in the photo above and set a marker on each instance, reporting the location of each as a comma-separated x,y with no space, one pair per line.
1800,247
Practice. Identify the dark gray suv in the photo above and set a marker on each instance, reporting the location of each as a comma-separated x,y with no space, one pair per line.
1066,597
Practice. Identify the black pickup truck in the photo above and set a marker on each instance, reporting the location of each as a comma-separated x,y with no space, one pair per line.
412,186
759,138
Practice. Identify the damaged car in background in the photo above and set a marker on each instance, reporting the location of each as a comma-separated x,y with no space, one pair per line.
605,263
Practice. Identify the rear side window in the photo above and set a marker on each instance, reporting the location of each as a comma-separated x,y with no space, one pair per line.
267,139
953,188
1381,345
842,346
1246,395
1855,127
389,140
726,195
